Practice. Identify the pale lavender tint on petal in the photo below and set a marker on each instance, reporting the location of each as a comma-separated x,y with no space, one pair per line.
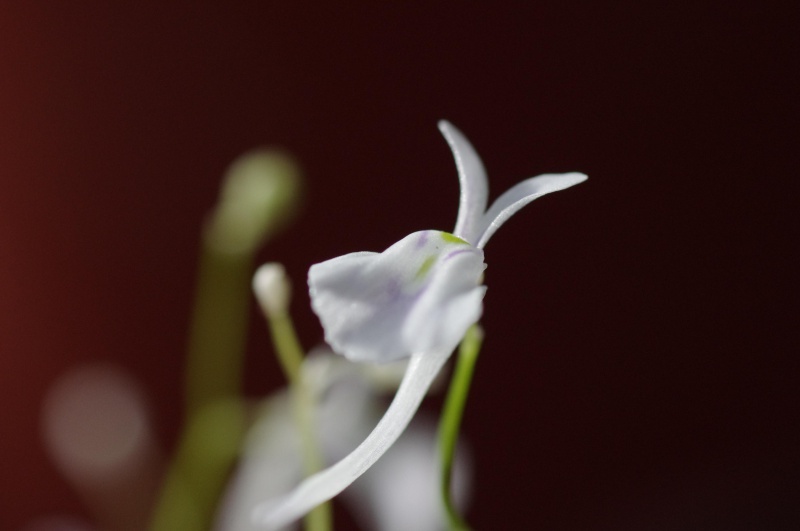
450,304
323,486
339,295
520,195
410,298
473,182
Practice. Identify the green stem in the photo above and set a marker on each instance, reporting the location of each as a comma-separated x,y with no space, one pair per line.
287,346
215,419
290,356
259,193
450,421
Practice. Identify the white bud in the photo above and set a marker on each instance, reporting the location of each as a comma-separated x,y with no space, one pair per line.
272,288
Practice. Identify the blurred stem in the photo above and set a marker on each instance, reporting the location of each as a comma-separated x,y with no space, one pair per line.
219,327
215,422
287,346
290,356
259,195
450,421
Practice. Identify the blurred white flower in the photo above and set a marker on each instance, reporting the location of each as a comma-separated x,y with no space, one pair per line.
415,300
347,405
96,428
402,490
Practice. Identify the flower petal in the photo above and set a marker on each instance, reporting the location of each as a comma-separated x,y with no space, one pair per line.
473,181
450,305
421,294
520,195
422,369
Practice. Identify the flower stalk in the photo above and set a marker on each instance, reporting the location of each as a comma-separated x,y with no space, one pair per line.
272,289
259,194
450,422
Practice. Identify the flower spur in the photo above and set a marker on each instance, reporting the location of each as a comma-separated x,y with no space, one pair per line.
414,300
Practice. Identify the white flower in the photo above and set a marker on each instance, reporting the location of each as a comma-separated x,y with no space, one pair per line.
416,299
420,294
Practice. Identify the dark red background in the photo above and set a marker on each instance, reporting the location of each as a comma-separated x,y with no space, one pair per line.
640,368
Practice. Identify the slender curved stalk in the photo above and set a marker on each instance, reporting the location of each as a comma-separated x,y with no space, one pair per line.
290,356
287,346
450,421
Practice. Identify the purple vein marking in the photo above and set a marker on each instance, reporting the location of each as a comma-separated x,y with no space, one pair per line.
451,254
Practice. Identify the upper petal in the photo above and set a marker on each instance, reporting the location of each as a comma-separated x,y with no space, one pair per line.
520,195
473,182
421,294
